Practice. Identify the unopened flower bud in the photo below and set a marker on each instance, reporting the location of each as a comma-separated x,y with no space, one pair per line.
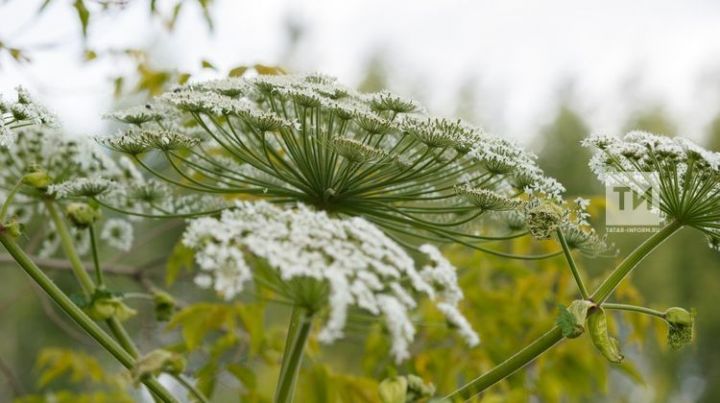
417,389
82,214
164,305
37,179
157,362
393,390
680,327
543,219
104,305
12,228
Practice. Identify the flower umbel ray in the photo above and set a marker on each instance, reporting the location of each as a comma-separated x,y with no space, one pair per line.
308,139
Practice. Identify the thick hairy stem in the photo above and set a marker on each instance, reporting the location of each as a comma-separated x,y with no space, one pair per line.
552,337
298,332
77,315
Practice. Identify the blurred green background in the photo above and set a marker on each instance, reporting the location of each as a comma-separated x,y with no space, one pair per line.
509,302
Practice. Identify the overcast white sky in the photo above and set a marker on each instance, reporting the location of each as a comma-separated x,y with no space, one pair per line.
619,55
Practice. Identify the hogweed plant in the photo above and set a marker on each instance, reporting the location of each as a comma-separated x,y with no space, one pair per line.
332,202
311,140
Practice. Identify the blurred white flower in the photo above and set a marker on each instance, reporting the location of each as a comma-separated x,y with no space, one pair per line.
317,262
118,233
24,111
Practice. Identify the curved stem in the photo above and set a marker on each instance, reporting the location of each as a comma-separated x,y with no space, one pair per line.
509,366
572,265
87,324
634,308
298,332
632,260
6,205
554,335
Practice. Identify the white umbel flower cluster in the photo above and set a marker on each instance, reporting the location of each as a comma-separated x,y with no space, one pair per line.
359,265
687,175
118,234
74,169
309,139
24,111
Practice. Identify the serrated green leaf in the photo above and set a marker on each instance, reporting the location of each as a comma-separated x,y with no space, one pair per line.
197,320
53,363
566,322
571,320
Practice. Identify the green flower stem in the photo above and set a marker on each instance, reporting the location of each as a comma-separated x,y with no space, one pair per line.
96,260
8,201
122,336
66,241
572,265
87,324
292,331
552,337
634,308
86,282
509,366
298,332
632,260
116,327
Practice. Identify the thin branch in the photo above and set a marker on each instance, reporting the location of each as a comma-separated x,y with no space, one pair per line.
61,264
